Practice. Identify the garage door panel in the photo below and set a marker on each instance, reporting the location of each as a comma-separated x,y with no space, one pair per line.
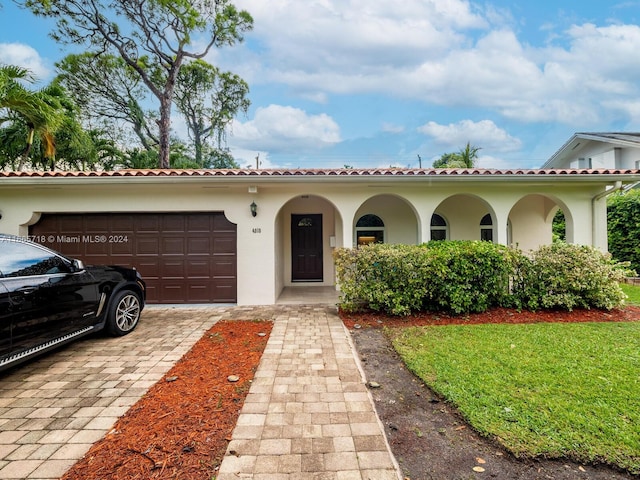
68,223
149,223
173,292
199,224
173,269
199,269
121,247
147,246
198,246
96,246
225,292
224,269
173,246
122,223
71,249
123,260
96,224
224,245
148,268
173,223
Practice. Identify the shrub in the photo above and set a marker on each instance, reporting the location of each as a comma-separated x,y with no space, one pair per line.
473,276
399,279
467,276
567,276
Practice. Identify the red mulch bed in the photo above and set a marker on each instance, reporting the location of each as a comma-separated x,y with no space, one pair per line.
496,315
181,427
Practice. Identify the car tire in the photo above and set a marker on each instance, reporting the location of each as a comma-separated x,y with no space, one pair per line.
124,313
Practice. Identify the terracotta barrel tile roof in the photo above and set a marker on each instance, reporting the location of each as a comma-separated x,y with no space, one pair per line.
397,172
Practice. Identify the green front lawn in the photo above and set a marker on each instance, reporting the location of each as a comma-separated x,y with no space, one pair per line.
633,292
548,389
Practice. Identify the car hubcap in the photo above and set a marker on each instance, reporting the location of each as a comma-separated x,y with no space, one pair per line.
127,313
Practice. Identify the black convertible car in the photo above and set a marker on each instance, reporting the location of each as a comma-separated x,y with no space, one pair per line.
47,300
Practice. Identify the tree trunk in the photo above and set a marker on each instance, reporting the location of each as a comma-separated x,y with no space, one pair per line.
164,124
25,155
197,140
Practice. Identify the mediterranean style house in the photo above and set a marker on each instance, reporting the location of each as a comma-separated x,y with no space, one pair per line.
242,236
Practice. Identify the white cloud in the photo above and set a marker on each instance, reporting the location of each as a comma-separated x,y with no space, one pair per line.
304,42
442,52
26,57
484,134
281,129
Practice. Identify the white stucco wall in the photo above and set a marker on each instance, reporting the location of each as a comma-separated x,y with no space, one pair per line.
605,155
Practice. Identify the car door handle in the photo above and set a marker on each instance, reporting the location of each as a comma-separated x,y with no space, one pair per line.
26,290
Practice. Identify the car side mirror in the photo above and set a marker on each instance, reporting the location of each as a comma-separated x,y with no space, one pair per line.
78,265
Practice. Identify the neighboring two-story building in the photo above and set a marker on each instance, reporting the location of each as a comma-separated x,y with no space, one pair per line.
597,151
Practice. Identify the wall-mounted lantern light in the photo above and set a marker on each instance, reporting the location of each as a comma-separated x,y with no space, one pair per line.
254,209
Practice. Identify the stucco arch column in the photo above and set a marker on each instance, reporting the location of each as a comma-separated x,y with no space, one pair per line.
346,207
600,238
501,228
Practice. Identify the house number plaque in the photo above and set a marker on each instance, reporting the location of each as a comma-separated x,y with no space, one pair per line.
257,230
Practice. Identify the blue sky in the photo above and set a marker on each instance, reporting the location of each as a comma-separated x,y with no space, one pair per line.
373,83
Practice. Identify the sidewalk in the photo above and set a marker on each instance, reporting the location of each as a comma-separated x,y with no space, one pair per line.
308,414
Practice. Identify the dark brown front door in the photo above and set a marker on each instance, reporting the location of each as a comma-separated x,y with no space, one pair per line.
306,248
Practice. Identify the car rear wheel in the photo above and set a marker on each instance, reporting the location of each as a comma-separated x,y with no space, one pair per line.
124,313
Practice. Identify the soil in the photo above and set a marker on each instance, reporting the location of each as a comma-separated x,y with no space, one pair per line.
428,437
180,429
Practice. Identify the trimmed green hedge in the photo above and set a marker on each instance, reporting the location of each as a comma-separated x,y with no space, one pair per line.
473,276
623,222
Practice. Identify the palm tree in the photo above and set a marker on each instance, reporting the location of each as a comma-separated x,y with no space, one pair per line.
41,111
465,158
468,155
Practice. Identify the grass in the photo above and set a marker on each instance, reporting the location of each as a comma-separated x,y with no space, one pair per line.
633,292
556,390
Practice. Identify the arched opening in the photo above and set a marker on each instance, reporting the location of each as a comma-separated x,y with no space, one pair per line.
369,229
386,218
535,221
307,228
464,217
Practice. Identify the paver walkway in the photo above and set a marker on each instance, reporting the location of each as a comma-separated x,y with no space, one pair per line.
308,414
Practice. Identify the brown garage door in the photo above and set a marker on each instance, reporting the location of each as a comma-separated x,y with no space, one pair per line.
183,257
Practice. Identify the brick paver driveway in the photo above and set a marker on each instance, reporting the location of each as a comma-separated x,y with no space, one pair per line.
53,409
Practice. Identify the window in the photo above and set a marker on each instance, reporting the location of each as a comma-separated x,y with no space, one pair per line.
486,228
439,227
305,222
369,229
21,260
585,162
